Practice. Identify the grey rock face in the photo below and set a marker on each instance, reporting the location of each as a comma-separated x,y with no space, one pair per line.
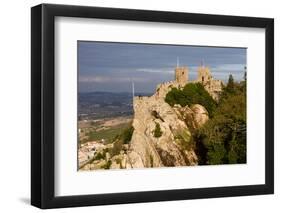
174,147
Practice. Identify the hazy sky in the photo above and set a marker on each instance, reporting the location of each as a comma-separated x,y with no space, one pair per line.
111,67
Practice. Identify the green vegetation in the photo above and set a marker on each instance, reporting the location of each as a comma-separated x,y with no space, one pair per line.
84,140
184,139
115,136
157,131
99,156
122,138
107,165
117,147
126,135
222,140
107,134
192,93
151,160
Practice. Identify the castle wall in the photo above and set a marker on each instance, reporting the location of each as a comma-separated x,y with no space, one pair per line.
213,86
163,88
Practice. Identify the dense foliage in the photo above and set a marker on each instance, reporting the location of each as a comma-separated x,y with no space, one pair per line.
192,93
222,140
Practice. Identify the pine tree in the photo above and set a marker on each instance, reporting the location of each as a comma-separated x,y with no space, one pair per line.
230,84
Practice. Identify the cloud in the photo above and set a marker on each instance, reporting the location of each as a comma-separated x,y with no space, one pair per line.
108,79
156,70
112,66
229,67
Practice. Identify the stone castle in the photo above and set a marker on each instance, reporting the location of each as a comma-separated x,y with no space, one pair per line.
173,146
204,76
145,149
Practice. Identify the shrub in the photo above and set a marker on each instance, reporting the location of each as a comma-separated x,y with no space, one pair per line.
151,160
183,138
107,165
127,135
192,93
157,131
100,155
119,140
117,147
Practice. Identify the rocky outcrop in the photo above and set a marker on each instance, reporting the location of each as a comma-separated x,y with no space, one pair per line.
194,116
162,134
174,147
161,137
200,115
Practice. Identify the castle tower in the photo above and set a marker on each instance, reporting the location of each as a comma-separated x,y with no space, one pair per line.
181,75
213,86
204,74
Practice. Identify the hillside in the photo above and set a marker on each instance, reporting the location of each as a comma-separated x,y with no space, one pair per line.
179,125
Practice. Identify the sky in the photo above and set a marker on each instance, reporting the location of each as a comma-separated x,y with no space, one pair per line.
111,67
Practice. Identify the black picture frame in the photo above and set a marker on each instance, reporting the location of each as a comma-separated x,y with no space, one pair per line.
43,102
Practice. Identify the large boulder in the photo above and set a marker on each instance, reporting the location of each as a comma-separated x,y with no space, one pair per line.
194,116
200,114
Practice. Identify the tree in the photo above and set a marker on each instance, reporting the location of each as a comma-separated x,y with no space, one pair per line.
222,140
245,76
230,84
176,96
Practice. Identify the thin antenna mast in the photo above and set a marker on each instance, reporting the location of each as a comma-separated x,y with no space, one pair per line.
202,63
133,89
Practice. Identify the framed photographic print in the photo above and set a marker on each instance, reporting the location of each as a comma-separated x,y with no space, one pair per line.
140,106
